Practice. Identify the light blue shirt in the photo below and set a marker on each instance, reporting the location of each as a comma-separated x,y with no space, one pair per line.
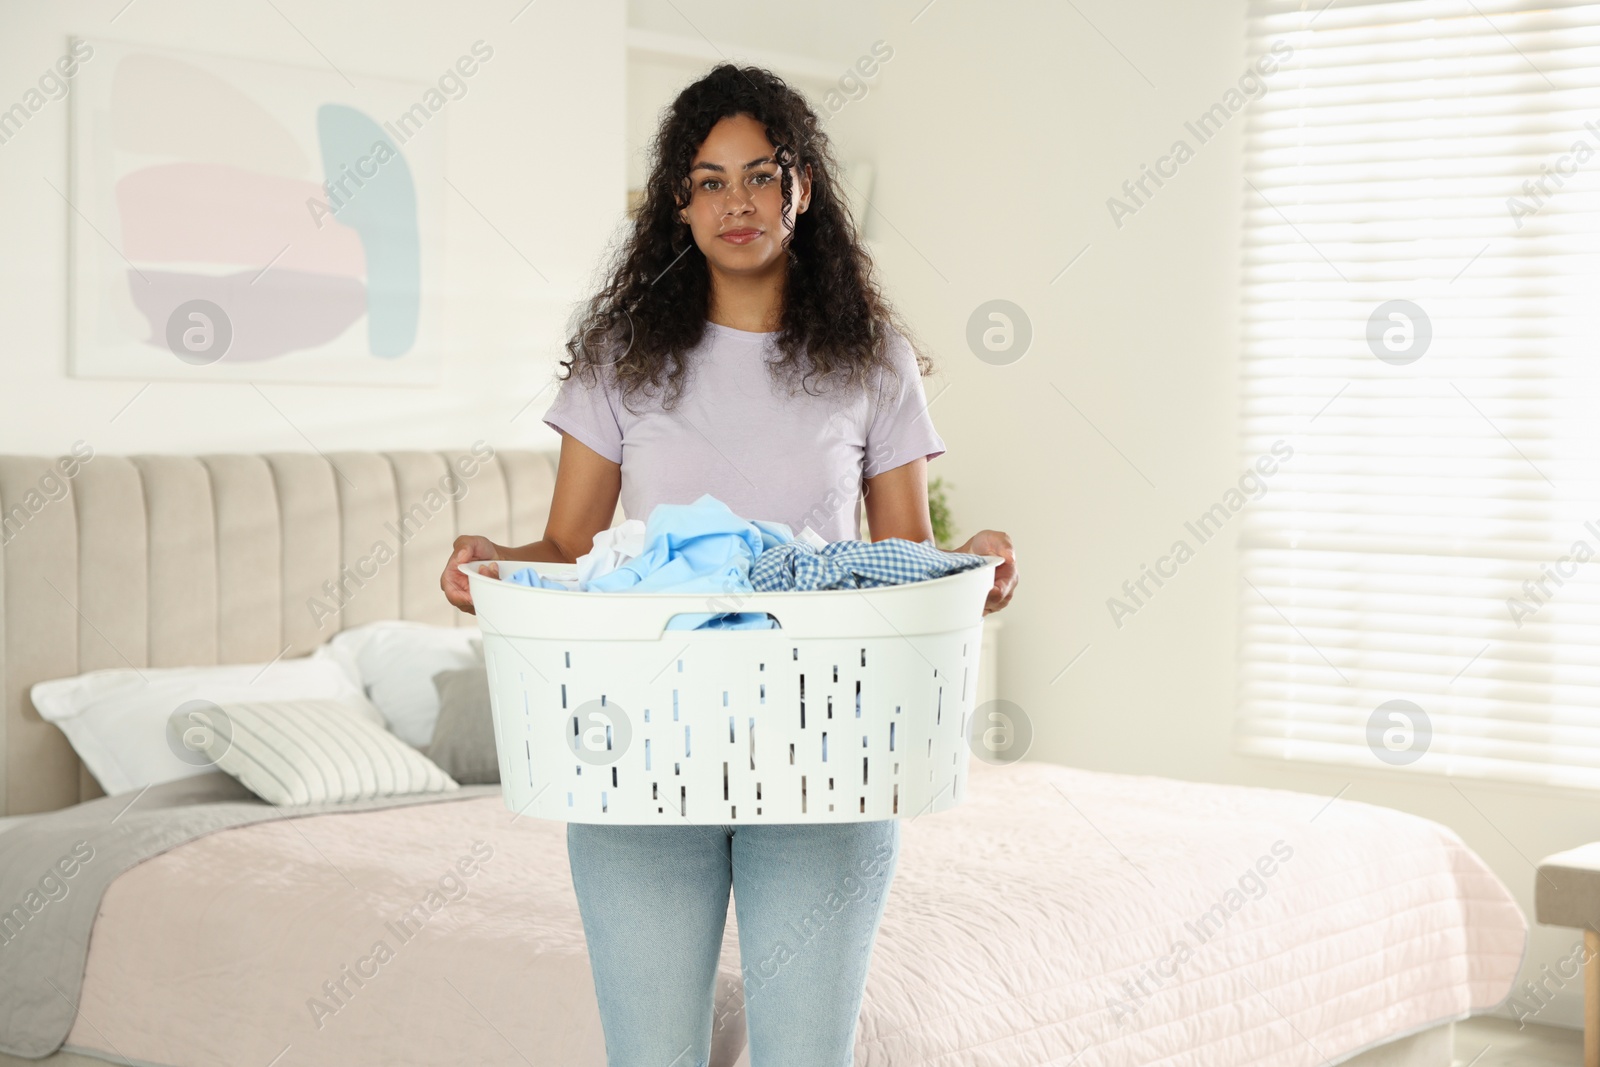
691,548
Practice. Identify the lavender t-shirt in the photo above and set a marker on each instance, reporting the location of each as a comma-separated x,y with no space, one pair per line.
738,434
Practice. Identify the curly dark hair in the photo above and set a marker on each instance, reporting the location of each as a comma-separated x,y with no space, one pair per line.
652,308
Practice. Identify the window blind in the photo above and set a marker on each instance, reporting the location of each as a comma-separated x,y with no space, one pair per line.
1421,325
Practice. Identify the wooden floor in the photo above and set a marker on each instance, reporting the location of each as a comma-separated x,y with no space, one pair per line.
1492,1042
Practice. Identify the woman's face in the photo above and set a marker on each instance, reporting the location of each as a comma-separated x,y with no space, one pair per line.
736,199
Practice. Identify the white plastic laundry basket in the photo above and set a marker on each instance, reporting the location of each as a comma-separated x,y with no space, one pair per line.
857,708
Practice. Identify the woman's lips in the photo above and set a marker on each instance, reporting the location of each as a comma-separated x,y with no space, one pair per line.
740,237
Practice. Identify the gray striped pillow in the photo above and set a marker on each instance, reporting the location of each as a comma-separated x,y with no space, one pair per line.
291,752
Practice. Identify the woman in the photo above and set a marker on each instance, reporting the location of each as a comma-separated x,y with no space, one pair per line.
742,290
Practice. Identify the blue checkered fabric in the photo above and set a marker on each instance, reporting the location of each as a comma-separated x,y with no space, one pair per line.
796,566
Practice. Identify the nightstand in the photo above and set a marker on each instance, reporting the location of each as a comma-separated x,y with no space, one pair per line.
1567,893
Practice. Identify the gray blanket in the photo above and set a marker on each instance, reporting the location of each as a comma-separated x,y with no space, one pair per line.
55,867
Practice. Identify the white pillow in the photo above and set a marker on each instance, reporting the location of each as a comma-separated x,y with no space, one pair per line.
394,661
317,751
121,723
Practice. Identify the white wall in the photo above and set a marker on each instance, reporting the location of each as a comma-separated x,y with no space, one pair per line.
1003,129
534,144
827,32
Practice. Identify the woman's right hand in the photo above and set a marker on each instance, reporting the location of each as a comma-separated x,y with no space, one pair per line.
468,547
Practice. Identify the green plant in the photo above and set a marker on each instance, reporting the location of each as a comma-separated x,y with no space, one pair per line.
939,514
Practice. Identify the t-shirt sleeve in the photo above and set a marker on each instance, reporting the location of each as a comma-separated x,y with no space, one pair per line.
588,411
901,429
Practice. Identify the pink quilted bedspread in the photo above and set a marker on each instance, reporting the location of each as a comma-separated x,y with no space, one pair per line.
1057,917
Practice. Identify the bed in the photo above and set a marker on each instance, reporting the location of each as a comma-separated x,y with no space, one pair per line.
1059,916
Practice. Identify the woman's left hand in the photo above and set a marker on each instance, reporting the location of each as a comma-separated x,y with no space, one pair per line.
996,543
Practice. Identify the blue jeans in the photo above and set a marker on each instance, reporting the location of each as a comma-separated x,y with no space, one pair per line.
654,900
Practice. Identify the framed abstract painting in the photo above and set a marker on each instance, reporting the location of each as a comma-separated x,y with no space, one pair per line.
237,220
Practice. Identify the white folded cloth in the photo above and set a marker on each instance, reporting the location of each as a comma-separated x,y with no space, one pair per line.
612,548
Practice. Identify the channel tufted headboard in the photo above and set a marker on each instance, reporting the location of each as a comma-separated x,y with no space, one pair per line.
174,561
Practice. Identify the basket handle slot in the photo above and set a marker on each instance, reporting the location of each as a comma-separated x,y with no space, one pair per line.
689,620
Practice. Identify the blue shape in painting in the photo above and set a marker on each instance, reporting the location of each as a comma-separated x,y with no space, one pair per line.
379,201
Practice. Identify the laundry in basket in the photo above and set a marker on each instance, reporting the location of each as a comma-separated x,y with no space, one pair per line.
699,547
705,547
854,706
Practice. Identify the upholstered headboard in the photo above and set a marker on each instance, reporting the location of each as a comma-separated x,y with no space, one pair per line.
172,561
